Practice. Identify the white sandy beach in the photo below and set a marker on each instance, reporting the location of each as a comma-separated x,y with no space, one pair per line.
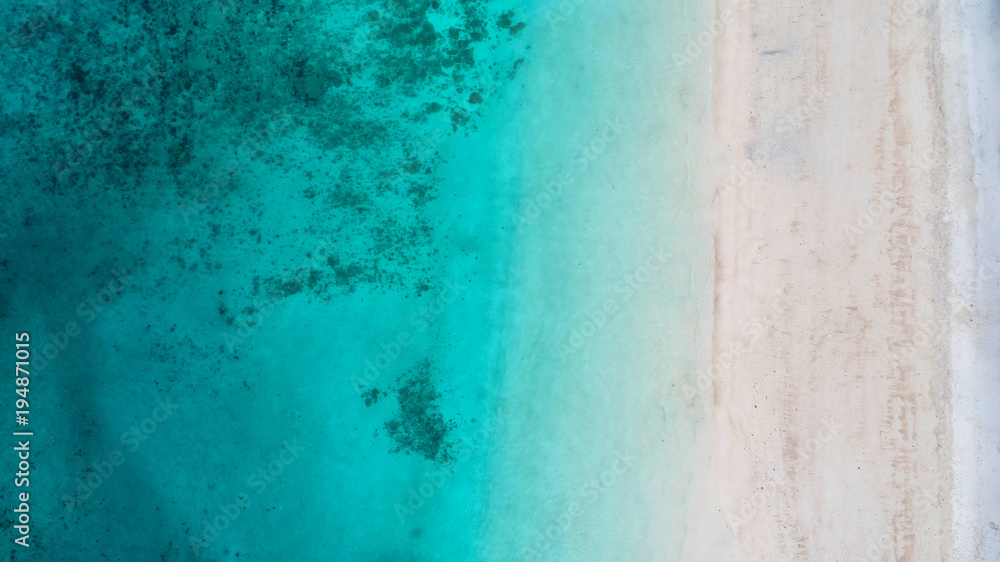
854,148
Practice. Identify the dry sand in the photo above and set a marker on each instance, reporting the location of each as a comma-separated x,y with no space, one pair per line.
843,211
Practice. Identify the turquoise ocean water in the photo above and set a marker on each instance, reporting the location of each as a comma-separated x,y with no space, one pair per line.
373,281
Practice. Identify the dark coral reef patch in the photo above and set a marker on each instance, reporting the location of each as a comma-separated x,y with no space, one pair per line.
419,427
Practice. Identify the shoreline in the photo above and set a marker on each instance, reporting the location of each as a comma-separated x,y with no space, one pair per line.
605,285
973,49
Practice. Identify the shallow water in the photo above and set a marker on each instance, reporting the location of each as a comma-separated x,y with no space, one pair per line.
355,280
